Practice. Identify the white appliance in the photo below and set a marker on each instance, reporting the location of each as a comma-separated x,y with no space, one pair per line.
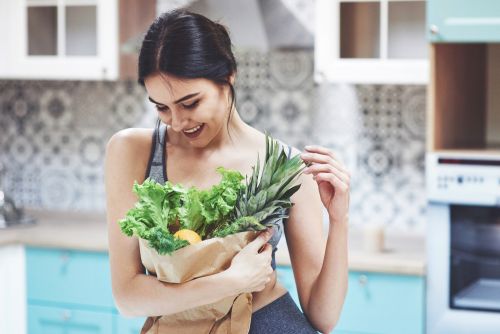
463,242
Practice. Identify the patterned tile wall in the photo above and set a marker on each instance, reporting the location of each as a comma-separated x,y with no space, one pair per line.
53,133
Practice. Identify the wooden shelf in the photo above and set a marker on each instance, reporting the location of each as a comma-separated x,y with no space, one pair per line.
464,103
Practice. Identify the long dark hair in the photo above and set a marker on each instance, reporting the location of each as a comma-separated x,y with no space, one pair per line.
188,45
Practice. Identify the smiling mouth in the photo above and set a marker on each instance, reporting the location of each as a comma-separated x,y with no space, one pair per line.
194,132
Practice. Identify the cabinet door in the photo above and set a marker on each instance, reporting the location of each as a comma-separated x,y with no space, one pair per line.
56,320
383,303
12,289
463,20
125,325
69,276
62,39
371,41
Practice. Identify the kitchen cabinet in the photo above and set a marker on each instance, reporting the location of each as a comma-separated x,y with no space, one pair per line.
72,39
12,292
127,325
50,319
463,20
70,291
463,108
371,41
376,302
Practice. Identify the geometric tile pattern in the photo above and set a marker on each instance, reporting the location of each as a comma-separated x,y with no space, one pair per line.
53,133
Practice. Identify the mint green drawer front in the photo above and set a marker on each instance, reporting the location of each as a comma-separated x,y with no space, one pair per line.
57,320
125,325
464,20
383,303
68,276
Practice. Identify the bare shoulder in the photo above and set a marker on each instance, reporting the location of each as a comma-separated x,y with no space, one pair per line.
130,139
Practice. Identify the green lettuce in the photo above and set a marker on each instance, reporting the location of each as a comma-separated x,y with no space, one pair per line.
161,207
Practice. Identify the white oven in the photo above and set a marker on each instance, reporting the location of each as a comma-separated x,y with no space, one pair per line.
463,243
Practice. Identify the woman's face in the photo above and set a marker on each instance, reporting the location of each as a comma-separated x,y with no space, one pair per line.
189,105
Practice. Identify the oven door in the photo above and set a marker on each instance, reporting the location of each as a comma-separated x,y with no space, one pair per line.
463,274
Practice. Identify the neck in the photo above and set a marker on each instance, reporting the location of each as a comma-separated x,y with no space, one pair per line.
236,127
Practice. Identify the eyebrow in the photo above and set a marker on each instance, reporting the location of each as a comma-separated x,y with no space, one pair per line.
178,101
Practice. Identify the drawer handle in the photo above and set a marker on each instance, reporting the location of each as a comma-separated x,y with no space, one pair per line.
65,256
434,29
66,315
363,280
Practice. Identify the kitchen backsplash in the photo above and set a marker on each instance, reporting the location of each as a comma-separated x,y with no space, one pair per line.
53,134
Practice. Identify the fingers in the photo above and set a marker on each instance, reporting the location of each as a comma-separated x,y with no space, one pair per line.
339,185
261,240
326,168
319,154
267,248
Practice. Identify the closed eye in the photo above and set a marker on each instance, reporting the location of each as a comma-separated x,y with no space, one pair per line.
162,108
192,105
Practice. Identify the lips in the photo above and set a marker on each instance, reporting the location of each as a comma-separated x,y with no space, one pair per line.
195,133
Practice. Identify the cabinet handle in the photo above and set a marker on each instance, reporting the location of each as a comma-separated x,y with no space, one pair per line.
434,29
320,76
66,315
363,280
65,257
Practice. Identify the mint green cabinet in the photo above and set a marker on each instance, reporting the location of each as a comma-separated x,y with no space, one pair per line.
69,276
126,325
69,291
58,320
463,20
376,303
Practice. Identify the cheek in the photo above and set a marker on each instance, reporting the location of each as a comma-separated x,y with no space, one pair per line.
217,111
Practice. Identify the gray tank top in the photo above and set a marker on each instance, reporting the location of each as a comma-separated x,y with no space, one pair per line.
157,171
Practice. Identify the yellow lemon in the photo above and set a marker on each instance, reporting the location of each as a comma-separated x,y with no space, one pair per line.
189,235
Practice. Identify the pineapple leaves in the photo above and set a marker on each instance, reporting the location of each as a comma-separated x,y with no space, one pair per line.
268,191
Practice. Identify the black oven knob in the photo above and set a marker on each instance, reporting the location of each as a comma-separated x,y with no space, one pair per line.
460,179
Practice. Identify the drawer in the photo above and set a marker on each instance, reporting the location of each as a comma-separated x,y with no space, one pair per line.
463,20
54,320
383,303
128,325
68,276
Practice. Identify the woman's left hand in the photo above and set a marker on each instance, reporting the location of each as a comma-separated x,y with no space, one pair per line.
333,180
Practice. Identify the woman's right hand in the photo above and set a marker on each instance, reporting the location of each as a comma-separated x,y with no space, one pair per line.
250,268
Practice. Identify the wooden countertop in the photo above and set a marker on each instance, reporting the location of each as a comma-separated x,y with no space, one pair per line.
404,253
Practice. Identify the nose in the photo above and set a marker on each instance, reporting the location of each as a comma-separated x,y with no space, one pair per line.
177,121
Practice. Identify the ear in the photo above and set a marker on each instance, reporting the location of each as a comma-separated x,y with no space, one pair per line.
232,77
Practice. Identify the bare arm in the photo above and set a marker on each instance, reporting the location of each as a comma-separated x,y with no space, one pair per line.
319,264
135,293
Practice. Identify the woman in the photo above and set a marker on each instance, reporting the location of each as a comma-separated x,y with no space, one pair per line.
188,69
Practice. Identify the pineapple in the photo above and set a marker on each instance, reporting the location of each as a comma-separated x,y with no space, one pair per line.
264,200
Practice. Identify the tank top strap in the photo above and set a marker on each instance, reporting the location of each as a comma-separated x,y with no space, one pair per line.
156,166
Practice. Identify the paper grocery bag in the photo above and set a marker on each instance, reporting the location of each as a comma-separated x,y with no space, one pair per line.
228,315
